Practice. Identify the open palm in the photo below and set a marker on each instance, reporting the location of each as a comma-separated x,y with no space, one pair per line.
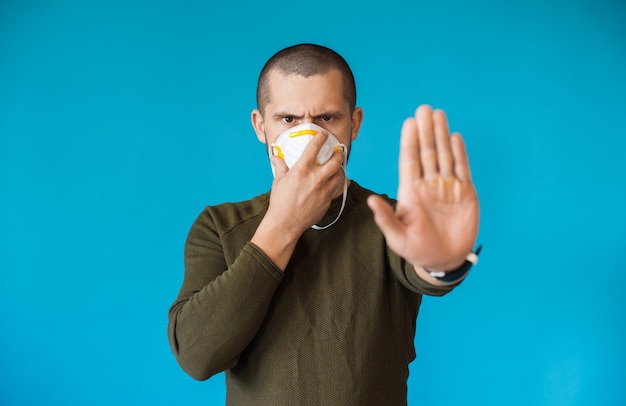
435,222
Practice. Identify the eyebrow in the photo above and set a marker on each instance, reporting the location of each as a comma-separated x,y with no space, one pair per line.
332,113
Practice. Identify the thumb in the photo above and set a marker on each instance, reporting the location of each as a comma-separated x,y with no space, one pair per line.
386,219
279,165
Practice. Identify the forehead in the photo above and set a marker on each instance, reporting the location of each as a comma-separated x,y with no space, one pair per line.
289,91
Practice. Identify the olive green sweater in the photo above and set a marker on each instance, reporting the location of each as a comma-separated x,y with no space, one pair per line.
336,328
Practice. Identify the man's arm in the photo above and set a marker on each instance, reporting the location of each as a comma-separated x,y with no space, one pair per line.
219,309
435,223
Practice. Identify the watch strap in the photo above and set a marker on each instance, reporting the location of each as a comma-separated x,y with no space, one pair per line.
459,273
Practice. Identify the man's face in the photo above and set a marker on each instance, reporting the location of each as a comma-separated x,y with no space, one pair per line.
317,99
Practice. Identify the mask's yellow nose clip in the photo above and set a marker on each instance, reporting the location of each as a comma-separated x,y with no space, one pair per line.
300,133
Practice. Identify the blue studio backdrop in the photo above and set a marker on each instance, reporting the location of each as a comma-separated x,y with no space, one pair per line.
121,120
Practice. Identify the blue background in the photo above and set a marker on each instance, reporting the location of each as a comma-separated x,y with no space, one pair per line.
121,120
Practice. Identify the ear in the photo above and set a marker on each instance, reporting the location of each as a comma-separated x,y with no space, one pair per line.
357,119
259,126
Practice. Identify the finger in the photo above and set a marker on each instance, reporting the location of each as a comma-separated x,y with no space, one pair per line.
333,165
428,151
386,219
409,166
461,160
309,155
280,167
334,184
442,140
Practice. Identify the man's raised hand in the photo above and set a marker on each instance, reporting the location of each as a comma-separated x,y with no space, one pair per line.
435,222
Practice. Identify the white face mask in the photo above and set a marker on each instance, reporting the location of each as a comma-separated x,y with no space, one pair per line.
291,144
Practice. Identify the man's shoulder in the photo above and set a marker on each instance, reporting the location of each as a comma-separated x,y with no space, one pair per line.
242,208
359,194
224,217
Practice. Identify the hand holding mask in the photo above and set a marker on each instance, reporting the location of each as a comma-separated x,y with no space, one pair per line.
291,144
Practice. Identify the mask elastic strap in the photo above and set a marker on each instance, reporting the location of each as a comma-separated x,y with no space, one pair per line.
345,194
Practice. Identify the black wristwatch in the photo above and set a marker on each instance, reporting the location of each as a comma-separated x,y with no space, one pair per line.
460,272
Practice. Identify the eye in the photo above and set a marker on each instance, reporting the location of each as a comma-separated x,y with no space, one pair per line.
326,118
287,119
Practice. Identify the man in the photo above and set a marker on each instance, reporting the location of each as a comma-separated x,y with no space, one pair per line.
296,313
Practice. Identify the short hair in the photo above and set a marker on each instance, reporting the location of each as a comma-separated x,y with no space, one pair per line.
305,60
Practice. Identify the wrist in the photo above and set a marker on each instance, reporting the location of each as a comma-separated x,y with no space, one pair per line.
459,273
276,244
447,267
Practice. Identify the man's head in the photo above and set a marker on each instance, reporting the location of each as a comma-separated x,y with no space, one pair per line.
306,84
305,60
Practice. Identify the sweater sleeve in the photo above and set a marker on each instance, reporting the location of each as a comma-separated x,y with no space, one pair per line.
219,308
406,274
